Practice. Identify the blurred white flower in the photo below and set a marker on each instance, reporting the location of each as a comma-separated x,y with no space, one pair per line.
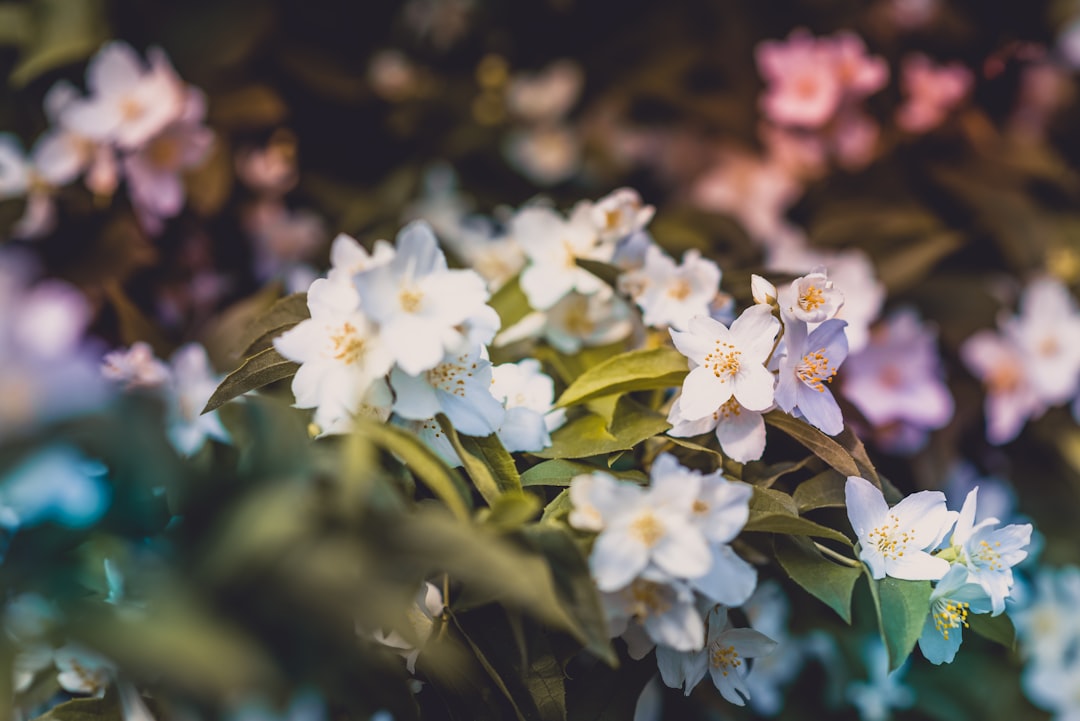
528,394
670,295
459,386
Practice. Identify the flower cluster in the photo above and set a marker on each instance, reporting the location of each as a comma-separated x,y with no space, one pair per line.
1048,632
973,572
662,561
1032,363
139,122
730,383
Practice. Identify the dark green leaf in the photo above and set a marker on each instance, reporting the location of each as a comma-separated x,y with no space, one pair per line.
825,490
424,464
696,447
488,464
632,371
604,271
589,436
902,607
829,582
559,472
259,370
998,629
775,512
760,474
510,511
86,709
815,441
282,315
574,585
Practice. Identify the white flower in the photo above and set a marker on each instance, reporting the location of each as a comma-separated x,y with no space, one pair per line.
988,552
192,383
595,497
740,431
339,351
527,393
727,363
58,484
1047,332
553,245
82,671
423,309
643,527
578,321
813,298
654,610
459,386
951,601
427,606
810,361
884,691
619,214
15,169
128,103
1011,398
669,294
894,541
348,257
763,291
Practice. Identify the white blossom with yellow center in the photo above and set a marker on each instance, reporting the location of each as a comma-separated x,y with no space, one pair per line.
952,601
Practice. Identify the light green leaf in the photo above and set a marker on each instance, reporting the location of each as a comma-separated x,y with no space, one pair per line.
558,509
825,490
696,447
901,607
559,472
510,511
816,442
64,32
829,582
259,370
589,436
16,27
998,629
510,302
424,464
632,371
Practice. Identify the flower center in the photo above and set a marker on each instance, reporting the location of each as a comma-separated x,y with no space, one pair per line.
724,658
723,360
410,299
648,599
679,290
889,539
611,219
164,152
1003,378
450,377
647,529
577,321
988,556
815,370
950,614
346,345
812,298
731,409
1049,347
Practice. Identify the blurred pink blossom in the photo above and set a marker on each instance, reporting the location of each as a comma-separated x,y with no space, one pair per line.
931,91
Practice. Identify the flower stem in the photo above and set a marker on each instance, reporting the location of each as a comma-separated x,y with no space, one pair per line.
838,557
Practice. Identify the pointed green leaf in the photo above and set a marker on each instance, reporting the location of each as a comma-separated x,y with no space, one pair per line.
424,464
589,436
259,370
902,607
86,709
816,442
510,302
510,511
632,371
775,512
825,490
765,475
998,629
488,464
559,472
283,314
829,582
604,271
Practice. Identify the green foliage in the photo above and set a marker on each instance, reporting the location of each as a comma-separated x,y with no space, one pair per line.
487,462
828,581
261,369
590,435
632,371
902,607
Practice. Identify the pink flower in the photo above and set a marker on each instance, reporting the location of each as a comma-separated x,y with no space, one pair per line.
803,87
932,91
860,75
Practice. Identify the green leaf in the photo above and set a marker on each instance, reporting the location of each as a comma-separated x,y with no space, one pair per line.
510,302
574,585
914,258
65,32
282,315
632,371
510,511
816,442
16,27
765,475
259,370
589,436
998,629
825,490
775,512
558,508
559,472
696,447
424,464
902,607
488,464
547,686
604,271
830,583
